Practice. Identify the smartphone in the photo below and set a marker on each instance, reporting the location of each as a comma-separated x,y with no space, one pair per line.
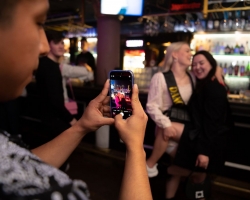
121,85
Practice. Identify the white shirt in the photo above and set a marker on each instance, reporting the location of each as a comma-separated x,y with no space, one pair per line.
159,99
70,71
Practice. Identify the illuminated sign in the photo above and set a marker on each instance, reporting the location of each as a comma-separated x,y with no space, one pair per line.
134,43
186,5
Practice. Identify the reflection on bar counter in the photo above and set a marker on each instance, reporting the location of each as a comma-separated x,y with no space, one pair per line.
236,84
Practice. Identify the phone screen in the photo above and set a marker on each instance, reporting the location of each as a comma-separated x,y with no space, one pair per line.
121,83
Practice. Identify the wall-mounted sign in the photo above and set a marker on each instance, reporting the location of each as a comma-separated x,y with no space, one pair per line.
134,43
186,5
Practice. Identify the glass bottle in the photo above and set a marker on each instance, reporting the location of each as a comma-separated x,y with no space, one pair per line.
224,26
247,49
230,20
230,69
242,49
248,69
227,50
242,69
247,25
236,69
217,48
225,69
243,19
222,49
237,22
216,24
210,23
237,49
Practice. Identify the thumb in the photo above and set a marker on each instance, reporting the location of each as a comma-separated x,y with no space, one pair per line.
118,119
135,102
107,121
197,163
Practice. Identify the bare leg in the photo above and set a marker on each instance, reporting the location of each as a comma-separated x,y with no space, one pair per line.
177,172
172,186
173,183
160,146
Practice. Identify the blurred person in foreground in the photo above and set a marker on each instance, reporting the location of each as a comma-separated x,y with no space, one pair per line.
33,174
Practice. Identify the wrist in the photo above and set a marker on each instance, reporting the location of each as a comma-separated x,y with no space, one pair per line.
78,129
135,149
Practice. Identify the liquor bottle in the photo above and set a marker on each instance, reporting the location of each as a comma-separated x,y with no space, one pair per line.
224,25
217,48
247,49
198,25
225,69
216,24
222,49
236,69
237,49
232,50
247,25
248,69
230,20
210,23
242,69
243,19
230,69
237,22
242,49
227,50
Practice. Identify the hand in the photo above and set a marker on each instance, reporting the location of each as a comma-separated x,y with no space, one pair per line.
88,67
132,130
97,112
73,121
219,75
169,132
202,161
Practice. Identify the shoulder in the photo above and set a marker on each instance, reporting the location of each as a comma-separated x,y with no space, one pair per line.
89,54
214,88
158,77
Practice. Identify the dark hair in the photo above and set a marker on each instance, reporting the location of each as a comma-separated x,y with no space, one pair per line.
6,11
213,63
84,39
55,36
211,60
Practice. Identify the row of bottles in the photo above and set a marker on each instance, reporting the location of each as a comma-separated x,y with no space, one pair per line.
232,21
221,49
235,69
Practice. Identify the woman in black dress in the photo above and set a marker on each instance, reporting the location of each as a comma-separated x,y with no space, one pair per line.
202,142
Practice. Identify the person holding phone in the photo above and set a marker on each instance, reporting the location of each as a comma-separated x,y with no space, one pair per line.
33,174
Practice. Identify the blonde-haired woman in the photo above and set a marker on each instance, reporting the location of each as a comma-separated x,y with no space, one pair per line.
177,59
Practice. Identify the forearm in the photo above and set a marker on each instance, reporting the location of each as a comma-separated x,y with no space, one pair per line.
56,151
135,184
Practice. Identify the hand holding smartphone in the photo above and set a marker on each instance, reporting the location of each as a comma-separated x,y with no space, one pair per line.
121,84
